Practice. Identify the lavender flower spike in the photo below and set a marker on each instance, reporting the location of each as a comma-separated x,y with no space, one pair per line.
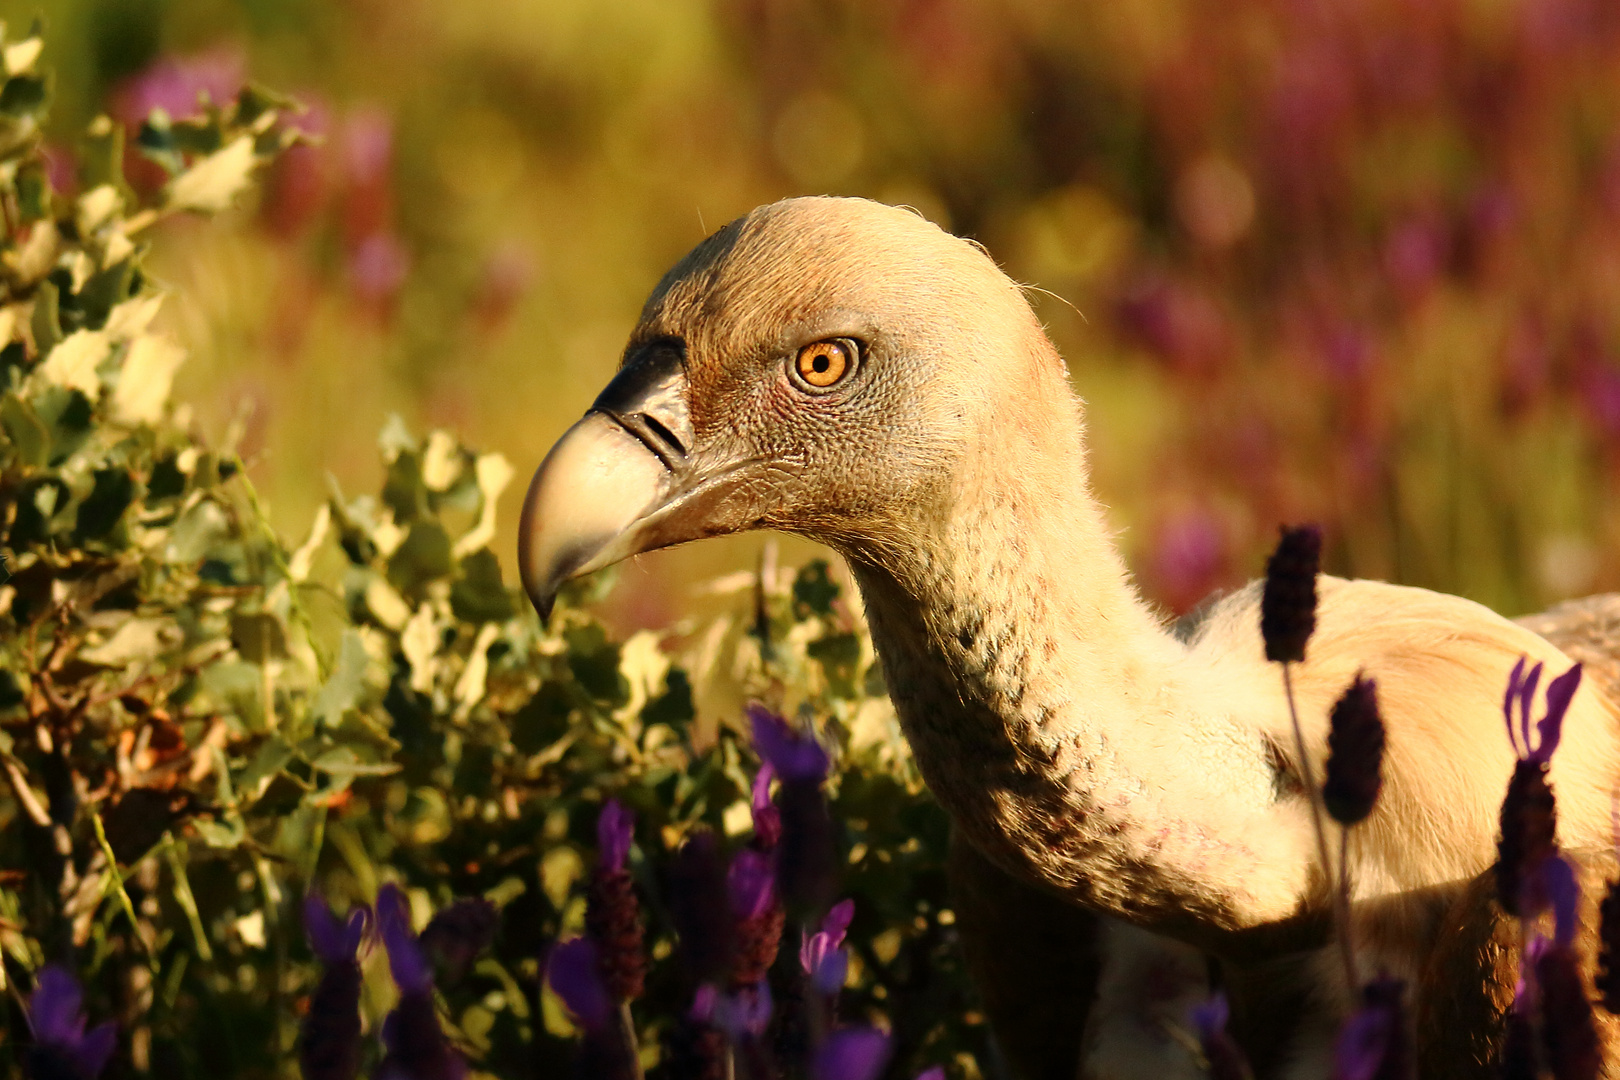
615,829
1549,729
1529,812
851,1053
62,1048
751,884
792,755
455,936
1355,754
406,960
1288,604
329,1044
574,976
767,818
935,1073
823,959
332,940
1226,1060
1373,1044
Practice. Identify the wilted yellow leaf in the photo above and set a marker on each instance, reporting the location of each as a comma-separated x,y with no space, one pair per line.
494,472
143,385
96,206
470,687
441,464
74,361
21,56
132,316
212,183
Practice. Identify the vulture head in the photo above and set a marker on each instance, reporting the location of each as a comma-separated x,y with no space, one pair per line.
820,367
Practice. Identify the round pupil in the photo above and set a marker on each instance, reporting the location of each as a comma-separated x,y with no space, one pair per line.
821,363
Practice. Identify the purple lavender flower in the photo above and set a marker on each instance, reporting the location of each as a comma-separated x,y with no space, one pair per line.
1288,605
329,1039
62,1049
694,1049
1374,1043
806,856
821,954
751,887
1521,694
1529,812
794,756
751,884
935,1073
767,818
1355,754
742,1014
575,976
1226,1060
851,1053
416,1044
615,830
1568,1033
406,962
700,907
455,936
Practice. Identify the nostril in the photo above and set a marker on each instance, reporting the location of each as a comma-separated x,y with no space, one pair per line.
662,432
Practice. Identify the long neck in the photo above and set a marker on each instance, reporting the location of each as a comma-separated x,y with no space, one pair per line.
1050,711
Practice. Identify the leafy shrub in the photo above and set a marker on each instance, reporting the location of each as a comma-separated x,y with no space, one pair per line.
200,723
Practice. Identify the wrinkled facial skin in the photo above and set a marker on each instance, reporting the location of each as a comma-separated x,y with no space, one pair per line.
710,389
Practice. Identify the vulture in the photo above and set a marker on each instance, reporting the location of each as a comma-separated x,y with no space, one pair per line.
1131,824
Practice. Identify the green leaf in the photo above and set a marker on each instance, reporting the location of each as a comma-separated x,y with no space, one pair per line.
674,706
166,480
101,158
272,756
480,595
814,590
24,95
27,432
69,416
839,656
542,720
341,692
101,510
46,322
594,661
424,556
258,638
104,291
342,761
218,834
33,192
404,491
156,140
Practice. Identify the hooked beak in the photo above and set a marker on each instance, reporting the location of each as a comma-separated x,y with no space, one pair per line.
613,484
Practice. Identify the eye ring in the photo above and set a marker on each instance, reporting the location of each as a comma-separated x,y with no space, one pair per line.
822,365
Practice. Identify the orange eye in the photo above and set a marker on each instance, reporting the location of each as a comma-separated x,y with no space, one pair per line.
823,363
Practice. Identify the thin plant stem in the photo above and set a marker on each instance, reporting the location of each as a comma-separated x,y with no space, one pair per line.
1341,901
632,1050
1314,797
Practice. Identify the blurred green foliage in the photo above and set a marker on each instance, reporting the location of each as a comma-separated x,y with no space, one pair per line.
199,723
